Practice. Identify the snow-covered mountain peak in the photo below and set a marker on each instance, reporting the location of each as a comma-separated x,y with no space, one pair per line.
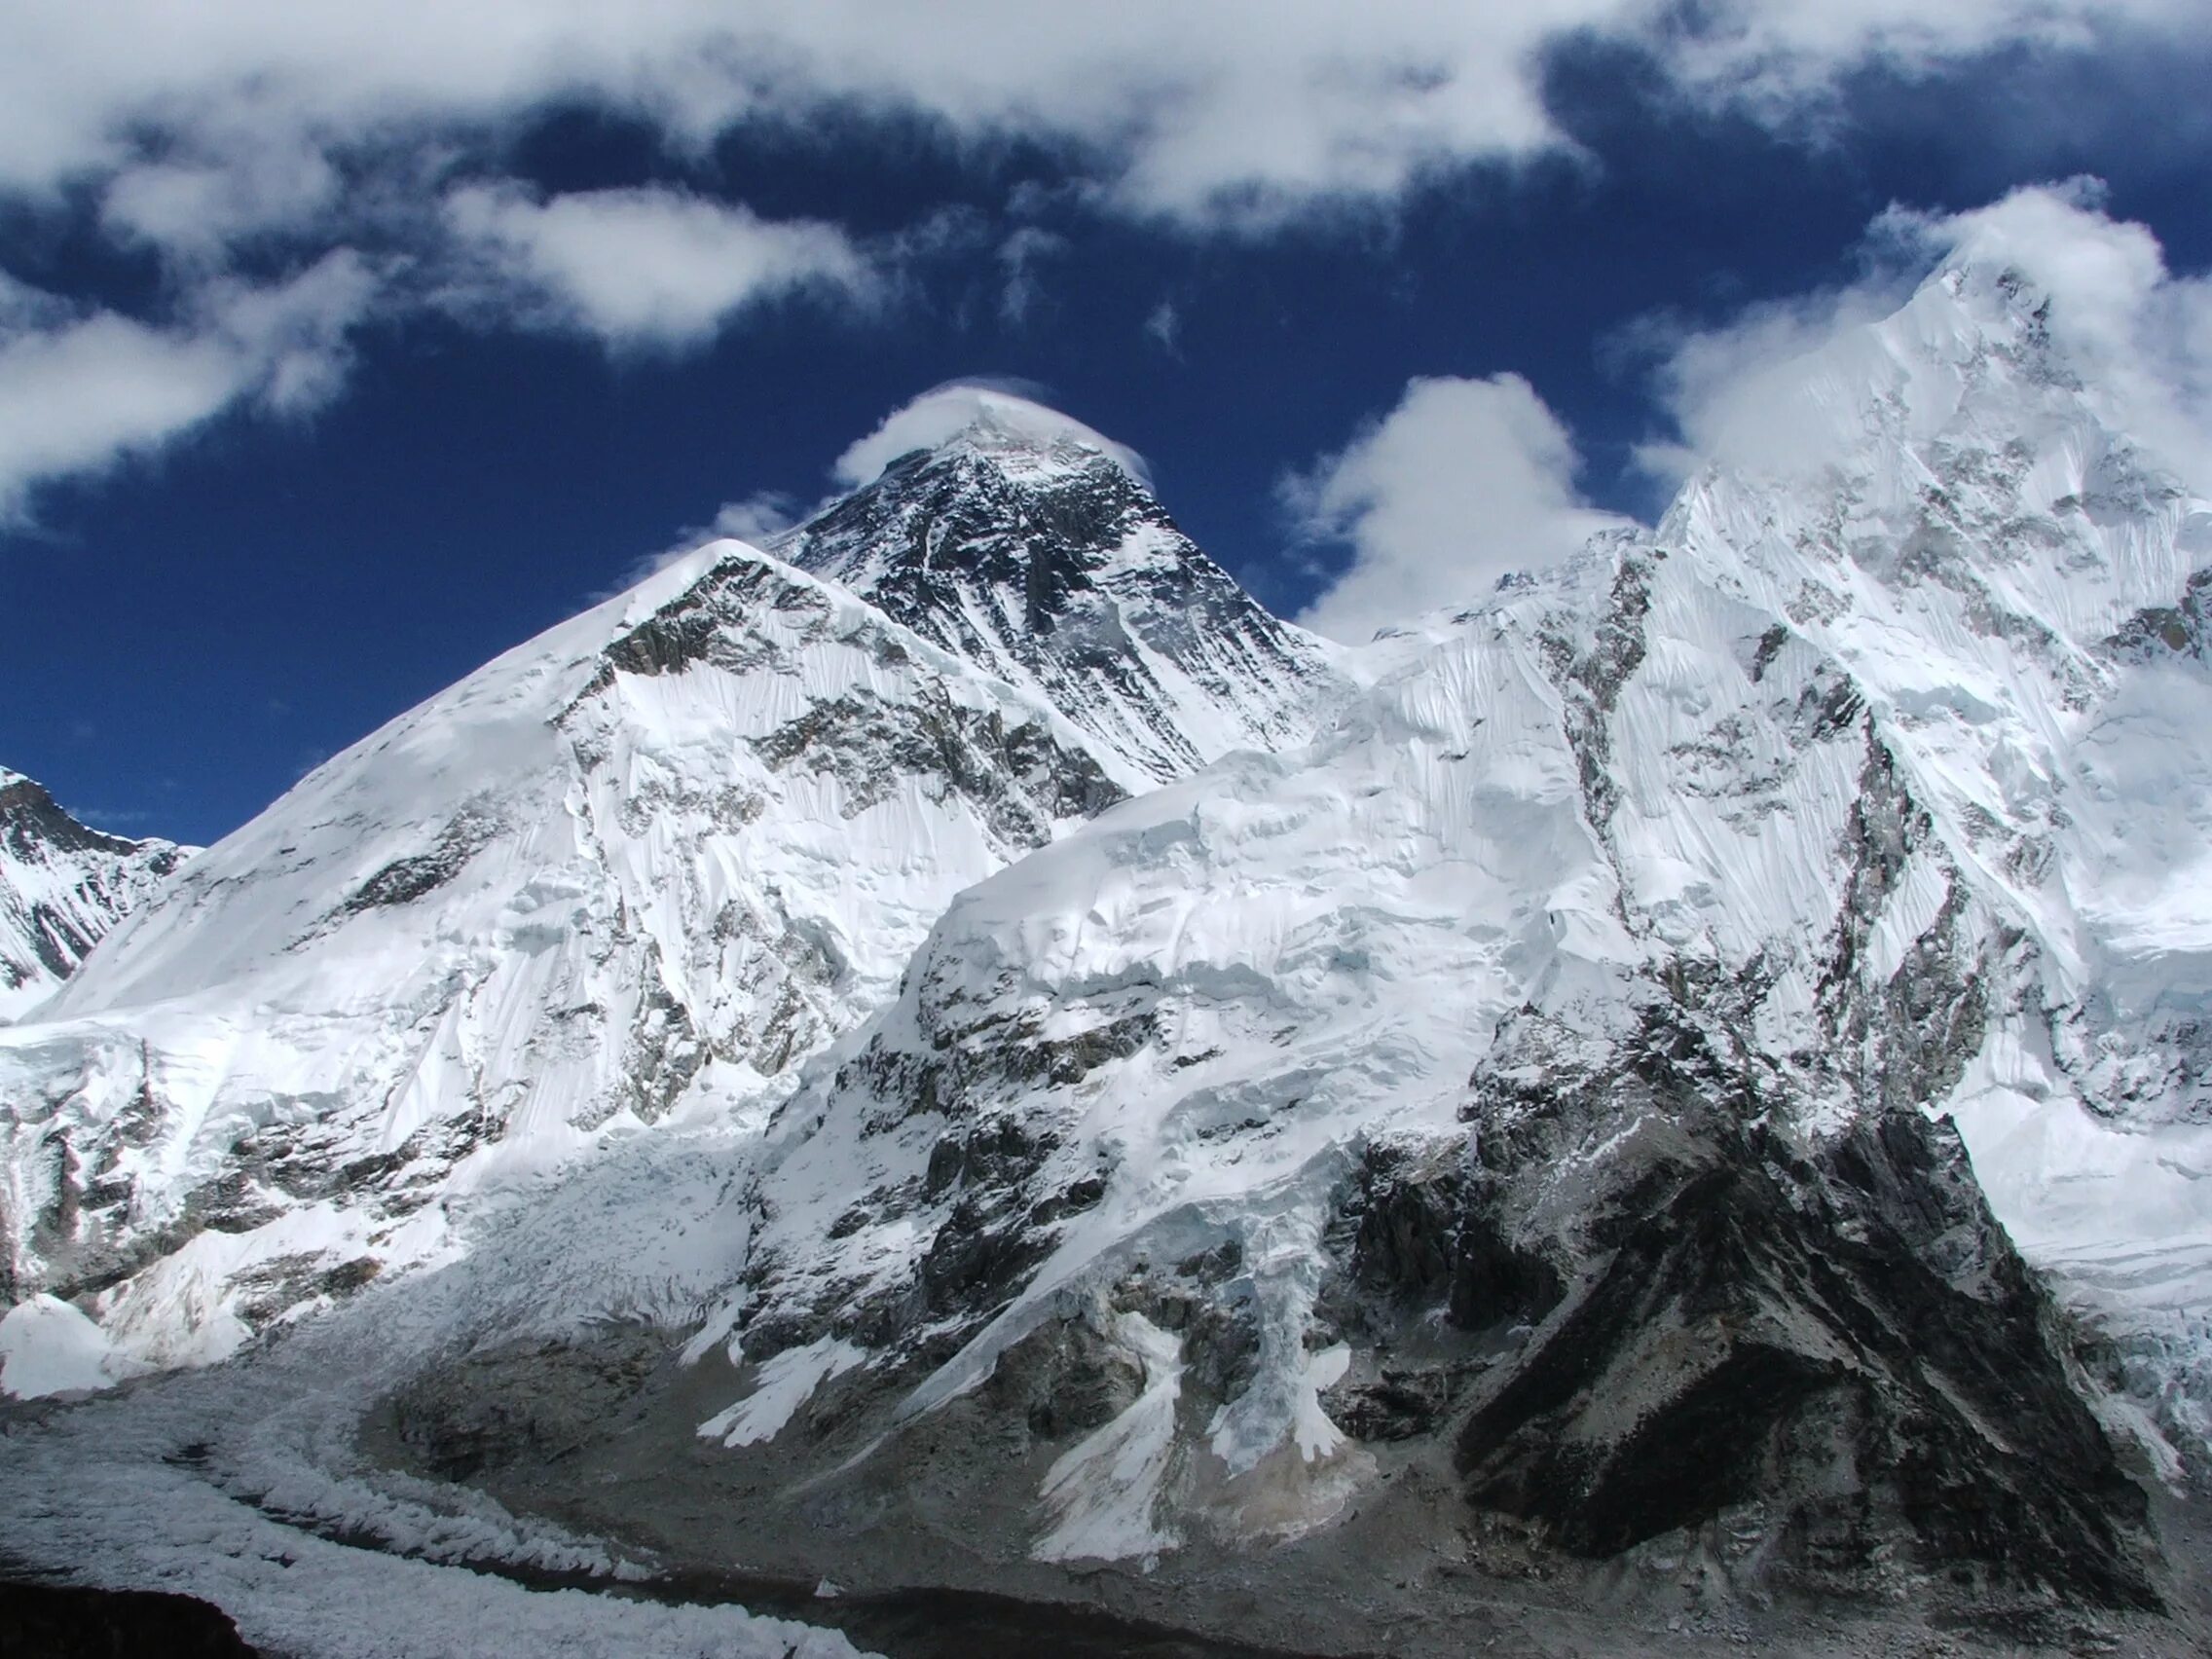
631,871
1036,552
1030,439
63,885
1020,434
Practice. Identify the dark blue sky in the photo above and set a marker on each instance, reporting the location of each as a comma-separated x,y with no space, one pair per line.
191,630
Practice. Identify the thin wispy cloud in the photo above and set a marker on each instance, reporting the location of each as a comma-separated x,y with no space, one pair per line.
1019,257
946,411
1165,325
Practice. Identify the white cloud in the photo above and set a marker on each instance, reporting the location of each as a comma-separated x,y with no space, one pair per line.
645,266
1462,482
1777,388
197,211
948,411
81,391
1018,257
23,306
201,131
79,397
1237,109
1741,392
759,517
1165,325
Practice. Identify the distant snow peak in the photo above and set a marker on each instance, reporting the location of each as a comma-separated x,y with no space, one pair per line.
982,417
63,885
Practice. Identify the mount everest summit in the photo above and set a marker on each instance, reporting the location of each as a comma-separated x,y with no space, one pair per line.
956,1050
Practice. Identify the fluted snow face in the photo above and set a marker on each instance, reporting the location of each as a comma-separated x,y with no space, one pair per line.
2018,593
63,886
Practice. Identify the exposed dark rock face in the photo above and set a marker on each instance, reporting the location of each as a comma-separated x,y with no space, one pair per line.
2181,629
419,874
1020,776
1055,566
993,1197
1835,1339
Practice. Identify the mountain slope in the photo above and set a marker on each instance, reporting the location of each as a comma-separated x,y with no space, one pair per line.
1534,1088
1644,1098
654,855
628,873
63,887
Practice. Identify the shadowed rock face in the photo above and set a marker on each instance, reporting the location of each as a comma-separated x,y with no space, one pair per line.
1833,1344
73,1622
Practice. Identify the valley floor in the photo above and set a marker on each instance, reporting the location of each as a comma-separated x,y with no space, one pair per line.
244,1486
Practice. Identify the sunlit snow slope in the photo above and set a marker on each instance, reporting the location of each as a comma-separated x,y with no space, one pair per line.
627,873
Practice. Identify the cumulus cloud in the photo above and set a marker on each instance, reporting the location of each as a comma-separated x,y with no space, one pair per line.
1462,482
652,266
82,390
946,411
284,132
1777,387
1236,107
